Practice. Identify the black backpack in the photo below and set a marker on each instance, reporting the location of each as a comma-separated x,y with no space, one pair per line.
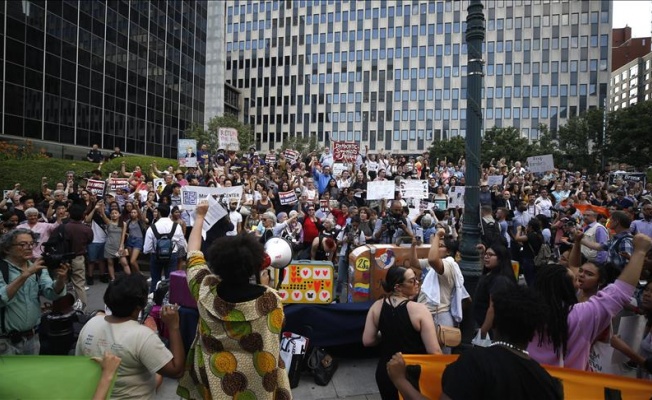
164,246
491,234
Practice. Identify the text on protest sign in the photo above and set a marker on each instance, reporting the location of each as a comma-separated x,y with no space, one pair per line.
118,183
287,198
345,151
413,188
191,196
630,177
227,139
338,168
377,190
495,180
270,158
291,155
456,196
96,187
540,163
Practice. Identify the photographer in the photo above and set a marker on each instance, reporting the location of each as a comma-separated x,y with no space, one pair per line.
20,305
349,238
393,225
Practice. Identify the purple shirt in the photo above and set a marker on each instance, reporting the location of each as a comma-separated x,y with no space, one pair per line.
586,321
642,226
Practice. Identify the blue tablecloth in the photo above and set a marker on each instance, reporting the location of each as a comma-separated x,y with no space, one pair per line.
326,325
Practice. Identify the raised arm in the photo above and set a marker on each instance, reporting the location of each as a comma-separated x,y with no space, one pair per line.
632,271
195,239
434,259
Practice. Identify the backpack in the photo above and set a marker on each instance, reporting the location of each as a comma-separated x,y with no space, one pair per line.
543,256
491,234
164,246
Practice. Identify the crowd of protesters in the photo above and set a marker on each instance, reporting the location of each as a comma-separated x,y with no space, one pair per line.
588,220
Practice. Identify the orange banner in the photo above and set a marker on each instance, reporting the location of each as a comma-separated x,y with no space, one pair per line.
577,384
583,207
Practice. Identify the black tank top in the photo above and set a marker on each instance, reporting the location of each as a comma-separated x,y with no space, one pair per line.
397,331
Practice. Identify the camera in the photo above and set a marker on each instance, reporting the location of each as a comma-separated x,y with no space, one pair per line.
392,223
53,258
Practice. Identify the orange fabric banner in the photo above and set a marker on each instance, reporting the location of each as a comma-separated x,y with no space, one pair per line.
577,384
583,207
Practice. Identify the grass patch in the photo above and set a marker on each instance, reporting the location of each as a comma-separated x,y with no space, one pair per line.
29,172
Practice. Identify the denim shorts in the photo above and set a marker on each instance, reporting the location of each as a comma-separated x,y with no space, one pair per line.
134,243
95,252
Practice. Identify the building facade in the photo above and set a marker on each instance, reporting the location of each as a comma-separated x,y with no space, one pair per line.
631,83
120,73
215,60
625,48
392,75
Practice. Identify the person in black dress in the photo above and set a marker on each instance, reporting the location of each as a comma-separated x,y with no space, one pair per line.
398,324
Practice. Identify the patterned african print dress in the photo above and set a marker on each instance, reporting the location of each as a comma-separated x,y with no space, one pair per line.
235,354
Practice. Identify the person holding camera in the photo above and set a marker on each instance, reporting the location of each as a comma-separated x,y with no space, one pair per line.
393,225
349,238
20,291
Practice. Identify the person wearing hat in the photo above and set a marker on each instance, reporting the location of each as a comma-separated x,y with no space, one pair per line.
180,178
235,217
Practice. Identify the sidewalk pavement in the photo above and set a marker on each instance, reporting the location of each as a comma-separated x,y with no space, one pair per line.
354,379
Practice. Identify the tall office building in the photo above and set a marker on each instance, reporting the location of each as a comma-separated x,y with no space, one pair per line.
631,83
215,60
121,73
393,74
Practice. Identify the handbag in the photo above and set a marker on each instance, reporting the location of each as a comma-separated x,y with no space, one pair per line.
448,336
293,351
322,366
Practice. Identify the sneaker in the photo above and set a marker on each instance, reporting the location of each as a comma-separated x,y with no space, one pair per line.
90,281
78,305
104,278
86,288
337,300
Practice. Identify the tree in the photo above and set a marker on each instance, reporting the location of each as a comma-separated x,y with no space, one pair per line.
504,142
452,149
210,136
630,135
546,144
574,139
301,144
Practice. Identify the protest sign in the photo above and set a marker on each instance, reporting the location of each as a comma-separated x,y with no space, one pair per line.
270,158
413,188
456,197
345,151
377,190
494,180
287,198
96,187
440,204
187,153
159,184
193,195
291,155
630,177
338,168
540,163
6,193
227,139
118,183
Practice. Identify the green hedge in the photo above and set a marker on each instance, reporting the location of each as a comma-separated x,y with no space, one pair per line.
29,172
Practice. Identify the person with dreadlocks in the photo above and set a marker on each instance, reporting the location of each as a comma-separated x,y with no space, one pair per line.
571,327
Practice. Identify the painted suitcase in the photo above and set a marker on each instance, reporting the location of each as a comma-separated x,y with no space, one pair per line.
368,267
179,292
307,282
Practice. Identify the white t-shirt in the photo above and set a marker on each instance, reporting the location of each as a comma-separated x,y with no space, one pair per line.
139,347
235,218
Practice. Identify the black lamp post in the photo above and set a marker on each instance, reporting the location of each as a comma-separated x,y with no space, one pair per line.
470,263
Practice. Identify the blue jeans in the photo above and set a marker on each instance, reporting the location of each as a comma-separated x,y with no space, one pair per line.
157,267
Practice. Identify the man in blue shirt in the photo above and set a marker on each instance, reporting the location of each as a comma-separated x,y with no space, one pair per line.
322,177
20,306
